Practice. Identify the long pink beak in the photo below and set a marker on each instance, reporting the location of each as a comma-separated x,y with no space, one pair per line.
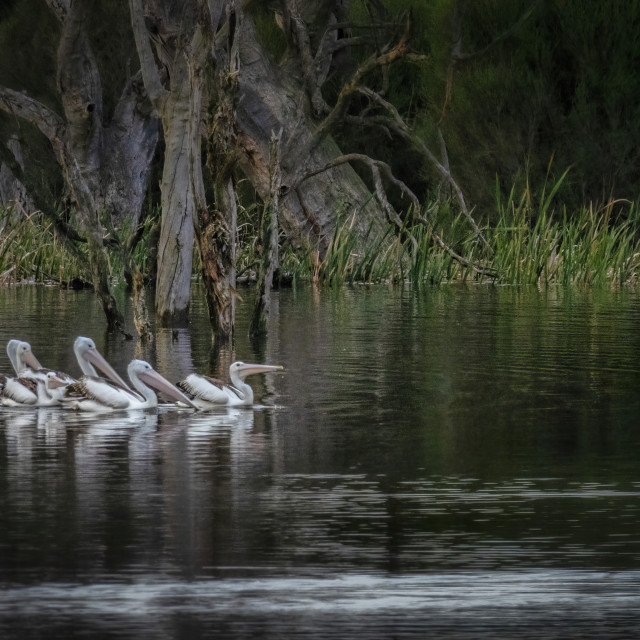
251,369
96,359
155,380
29,359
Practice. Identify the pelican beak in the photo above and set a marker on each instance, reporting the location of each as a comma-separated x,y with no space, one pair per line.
251,369
55,382
96,359
29,359
155,380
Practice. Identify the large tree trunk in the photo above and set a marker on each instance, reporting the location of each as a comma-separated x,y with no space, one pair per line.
178,97
105,169
275,97
175,249
12,190
217,224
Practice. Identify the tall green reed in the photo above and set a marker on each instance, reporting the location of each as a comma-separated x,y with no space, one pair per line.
31,249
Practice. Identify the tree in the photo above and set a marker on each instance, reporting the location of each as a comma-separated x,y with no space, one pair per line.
248,97
177,92
105,165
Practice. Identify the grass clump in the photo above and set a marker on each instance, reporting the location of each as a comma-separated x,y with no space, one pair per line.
597,245
31,250
532,242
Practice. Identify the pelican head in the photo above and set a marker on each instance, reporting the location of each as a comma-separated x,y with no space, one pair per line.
21,356
88,356
142,371
54,380
241,370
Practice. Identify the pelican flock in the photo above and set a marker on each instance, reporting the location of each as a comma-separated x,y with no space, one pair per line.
34,386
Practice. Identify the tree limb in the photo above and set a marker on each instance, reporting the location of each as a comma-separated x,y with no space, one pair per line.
376,167
377,60
401,128
20,104
157,93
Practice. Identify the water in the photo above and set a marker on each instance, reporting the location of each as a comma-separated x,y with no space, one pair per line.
451,463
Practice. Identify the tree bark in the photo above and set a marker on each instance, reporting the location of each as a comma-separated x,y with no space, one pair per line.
217,225
216,242
12,189
182,48
105,169
275,97
268,230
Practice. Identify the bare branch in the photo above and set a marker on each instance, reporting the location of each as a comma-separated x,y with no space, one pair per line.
152,82
377,167
343,43
400,127
375,61
312,75
20,104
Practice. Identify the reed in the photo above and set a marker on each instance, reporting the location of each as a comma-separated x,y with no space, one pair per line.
536,244
31,250
534,241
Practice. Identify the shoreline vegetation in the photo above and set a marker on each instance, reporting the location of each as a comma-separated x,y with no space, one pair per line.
530,243
150,144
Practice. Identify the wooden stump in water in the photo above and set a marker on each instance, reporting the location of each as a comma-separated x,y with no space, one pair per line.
140,313
268,241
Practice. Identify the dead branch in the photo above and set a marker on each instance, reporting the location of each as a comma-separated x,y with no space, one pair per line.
397,124
377,167
20,104
350,88
152,82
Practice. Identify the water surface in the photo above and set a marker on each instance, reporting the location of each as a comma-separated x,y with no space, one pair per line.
445,463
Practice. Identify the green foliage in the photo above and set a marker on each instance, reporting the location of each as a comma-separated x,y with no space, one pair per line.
32,250
562,83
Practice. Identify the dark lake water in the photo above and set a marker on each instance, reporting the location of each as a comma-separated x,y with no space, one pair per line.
459,462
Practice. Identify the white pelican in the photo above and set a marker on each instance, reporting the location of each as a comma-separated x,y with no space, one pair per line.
207,393
89,357
32,386
97,394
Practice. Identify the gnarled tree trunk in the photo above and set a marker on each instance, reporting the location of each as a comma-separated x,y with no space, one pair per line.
104,168
276,97
179,34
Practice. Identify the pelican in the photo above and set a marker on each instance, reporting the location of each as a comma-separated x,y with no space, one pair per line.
32,386
89,358
206,392
97,394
